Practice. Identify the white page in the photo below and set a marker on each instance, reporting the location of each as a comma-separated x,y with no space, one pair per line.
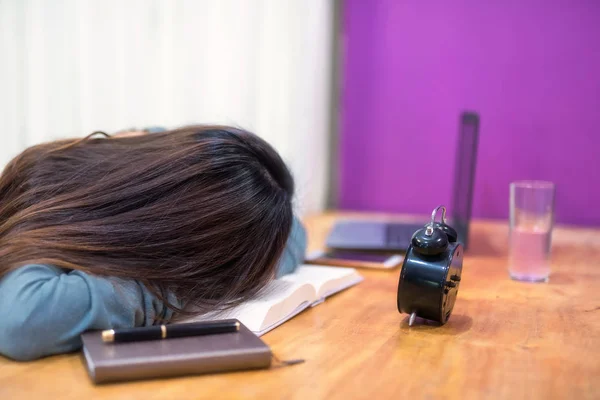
269,302
269,327
287,296
319,275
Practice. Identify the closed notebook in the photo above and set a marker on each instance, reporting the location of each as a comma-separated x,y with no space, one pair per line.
288,296
173,357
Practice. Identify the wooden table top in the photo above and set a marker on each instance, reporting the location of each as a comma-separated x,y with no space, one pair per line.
505,339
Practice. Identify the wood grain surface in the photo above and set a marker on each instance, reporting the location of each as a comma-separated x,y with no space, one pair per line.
505,339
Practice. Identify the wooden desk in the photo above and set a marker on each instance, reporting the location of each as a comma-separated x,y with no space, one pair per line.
505,339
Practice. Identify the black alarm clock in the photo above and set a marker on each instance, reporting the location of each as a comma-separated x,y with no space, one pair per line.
431,272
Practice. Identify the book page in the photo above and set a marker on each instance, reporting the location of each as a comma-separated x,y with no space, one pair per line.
287,296
268,327
326,280
284,298
274,304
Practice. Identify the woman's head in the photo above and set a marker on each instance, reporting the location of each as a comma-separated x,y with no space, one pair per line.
202,212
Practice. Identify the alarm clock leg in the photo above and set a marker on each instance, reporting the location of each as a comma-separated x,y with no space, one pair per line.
411,320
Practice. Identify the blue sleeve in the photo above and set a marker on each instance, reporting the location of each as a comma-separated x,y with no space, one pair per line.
43,310
295,250
154,129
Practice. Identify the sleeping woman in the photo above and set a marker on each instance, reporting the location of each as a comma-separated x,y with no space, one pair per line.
134,230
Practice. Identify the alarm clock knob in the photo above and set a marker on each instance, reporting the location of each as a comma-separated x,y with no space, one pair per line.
429,241
448,230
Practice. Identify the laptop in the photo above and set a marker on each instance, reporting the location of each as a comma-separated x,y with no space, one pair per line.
393,237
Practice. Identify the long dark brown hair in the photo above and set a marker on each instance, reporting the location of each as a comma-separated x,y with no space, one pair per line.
201,212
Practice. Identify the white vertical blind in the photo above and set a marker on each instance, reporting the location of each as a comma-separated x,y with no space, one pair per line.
69,67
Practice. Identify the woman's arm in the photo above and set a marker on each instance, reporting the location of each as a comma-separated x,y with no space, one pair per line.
44,310
295,249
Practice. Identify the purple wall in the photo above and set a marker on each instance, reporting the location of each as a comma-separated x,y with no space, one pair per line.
530,68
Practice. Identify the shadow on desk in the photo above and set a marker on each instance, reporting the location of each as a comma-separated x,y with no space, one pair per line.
456,325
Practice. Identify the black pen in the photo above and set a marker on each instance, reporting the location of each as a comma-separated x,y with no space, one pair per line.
159,332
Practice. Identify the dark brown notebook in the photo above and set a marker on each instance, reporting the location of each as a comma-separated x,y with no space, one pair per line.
173,357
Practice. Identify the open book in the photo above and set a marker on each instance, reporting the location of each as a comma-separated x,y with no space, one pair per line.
288,296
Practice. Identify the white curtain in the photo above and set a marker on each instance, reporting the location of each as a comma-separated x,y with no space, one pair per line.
69,67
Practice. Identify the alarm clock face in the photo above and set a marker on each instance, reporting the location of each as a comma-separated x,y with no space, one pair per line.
453,278
428,285
431,272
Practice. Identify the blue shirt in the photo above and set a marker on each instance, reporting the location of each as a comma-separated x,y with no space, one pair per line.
44,310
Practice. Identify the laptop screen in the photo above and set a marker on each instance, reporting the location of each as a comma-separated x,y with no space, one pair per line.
464,174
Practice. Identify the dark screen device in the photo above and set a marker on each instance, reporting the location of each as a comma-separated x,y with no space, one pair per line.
393,237
464,175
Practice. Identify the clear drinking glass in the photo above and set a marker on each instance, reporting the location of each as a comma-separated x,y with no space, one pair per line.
531,222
